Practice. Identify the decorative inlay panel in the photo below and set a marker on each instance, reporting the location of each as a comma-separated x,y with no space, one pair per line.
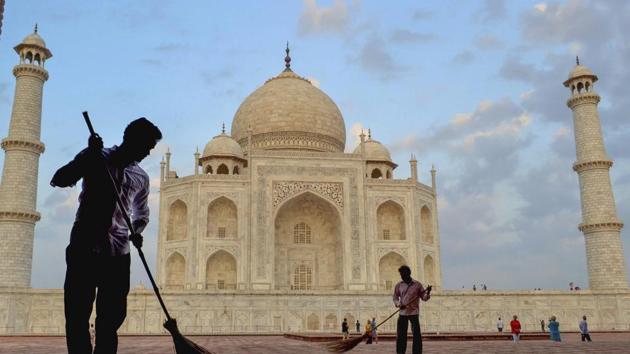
329,190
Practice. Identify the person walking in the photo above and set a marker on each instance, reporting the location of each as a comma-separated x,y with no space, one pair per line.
358,324
407,295
554,329
374,334
515,327
98,254
500,325
586,336
345,329
542,325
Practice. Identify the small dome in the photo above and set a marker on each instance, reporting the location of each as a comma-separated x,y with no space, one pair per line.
374,151
34,39
223,145
580,70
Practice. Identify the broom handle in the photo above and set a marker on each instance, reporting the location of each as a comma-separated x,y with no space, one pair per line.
129,224
397,311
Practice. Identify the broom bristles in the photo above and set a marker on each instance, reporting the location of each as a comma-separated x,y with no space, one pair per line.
344,345
183,345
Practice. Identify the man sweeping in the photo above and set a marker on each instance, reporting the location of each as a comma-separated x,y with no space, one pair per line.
407,294
98,254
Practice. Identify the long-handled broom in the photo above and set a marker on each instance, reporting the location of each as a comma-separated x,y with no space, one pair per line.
182,344
344,345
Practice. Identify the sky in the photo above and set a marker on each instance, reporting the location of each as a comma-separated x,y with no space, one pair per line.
473,87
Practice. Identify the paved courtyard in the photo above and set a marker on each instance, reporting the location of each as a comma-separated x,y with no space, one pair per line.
604,343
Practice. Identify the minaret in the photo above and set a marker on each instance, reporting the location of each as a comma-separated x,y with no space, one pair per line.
600,225
18,189
413,165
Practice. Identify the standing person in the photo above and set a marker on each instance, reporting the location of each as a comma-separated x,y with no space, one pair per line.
554,329
584,330
542,325
407,294
368,331
98,254
515,327
358,324
345,328
500,325
374,334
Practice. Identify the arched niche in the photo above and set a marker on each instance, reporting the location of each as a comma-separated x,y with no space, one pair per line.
177,227
221,271
390,218
175,271
388,270
222,219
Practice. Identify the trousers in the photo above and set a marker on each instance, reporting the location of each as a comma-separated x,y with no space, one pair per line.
401,334
86,273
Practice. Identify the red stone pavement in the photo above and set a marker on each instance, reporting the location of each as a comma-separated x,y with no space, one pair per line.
609,343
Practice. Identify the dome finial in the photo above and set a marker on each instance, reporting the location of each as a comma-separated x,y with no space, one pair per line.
35,31
223,128
369,134
287,59
577,60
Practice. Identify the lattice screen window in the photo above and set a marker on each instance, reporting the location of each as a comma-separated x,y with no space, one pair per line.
302,278
220,284
301,233
388,285
221,232
386,234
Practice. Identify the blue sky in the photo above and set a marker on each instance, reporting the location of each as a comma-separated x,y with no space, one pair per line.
474,87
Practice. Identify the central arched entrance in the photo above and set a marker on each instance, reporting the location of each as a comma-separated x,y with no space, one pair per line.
308,247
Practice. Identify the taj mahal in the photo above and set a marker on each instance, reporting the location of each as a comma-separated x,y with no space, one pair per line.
278,229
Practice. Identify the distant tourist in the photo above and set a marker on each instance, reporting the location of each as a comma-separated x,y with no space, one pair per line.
500,325
358,324
374,334
474,287
554,329
515,326
485,287
542,325
571,286
345,329
584,330
368,331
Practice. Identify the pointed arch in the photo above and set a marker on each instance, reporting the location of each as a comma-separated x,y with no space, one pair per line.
221,271
223,169
388,270
390,219
37,59
208,170
330,322
222,219
324,255
376,173
388,174
429,270
175,271
177,227
426,225
29,58
312,322
235,171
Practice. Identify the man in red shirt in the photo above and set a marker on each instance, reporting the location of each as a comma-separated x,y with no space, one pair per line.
516,329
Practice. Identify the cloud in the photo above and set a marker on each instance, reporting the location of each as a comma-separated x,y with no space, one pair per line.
374,58
465,57
315,20
211,77
492,10
421,15
488,42
405,36
355,130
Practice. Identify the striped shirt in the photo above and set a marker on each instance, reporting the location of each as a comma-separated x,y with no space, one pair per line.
409,295
134,195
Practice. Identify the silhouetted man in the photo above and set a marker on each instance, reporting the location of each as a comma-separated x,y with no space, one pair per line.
98,253
407,294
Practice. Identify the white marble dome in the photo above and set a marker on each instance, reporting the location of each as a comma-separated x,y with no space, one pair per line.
222,145
289,113
374,151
